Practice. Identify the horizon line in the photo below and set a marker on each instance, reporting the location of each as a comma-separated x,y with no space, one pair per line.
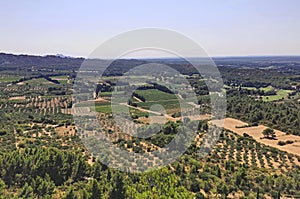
162,57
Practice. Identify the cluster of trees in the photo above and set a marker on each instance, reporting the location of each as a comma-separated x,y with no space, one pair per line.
269,133
255,92
255,78
46,77
140,97
17,115
282,116
155,86
199,86
103,87
56,91
49,172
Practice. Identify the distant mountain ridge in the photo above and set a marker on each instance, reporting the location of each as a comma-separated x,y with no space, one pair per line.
62,62
11,61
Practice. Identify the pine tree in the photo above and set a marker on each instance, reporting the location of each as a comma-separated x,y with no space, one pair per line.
96,192
97,171
71,194
269,133
84,194
26,192
118,191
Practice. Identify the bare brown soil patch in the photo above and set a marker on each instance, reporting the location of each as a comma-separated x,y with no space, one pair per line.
100,99
256,132
18,98
200,117
65,131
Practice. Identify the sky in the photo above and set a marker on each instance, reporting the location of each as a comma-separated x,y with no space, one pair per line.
221,27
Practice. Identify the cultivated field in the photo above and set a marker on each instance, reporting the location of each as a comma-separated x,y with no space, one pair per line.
256,132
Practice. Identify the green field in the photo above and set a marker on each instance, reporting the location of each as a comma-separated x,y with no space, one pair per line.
9,79
107,108
37,81
103,108
108,94
280,95
249,88
105,94
138,113
155,95
62,81
152,97
170,104
266,89
92,103
60,77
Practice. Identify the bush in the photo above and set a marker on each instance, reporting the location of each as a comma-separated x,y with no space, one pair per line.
281,143
246,135
2,132
269,133
200,195
135,117
254,124
137,149
289,142
21,145
195,186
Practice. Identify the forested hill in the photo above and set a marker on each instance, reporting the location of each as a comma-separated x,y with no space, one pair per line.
283,63
10,61
52,62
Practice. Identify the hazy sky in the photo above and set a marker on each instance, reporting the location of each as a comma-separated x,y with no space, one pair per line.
221,27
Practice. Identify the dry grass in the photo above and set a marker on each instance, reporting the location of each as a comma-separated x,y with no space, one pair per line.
65,131
18,98
256,133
